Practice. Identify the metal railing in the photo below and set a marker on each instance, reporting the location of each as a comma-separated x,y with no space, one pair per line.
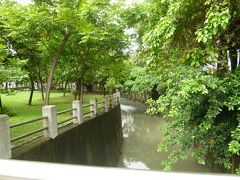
27,122
66,122
66,111
89,105
87,113
30,133
100,102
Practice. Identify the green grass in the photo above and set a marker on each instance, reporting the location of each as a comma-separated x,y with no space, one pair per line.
18,104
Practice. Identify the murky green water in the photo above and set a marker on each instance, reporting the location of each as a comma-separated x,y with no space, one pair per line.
141,136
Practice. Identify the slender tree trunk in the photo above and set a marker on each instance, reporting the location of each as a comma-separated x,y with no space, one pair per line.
54,64
76,92
38,86
235,164
104,91
61,85
6,86
78,84
41,83
233,59
1,106
32,89
81,93
65,89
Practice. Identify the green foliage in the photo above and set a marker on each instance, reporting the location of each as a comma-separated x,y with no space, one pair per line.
7,111
217,20
185,42
80,39
141,79
203,112
10,92
112,84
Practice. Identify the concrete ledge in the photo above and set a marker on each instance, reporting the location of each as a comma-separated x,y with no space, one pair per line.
12,169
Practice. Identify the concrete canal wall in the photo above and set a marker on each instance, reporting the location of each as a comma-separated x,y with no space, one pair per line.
93,142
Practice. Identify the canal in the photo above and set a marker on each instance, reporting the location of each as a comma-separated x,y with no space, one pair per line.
141,135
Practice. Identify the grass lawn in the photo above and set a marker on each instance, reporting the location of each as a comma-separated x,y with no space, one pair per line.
18,104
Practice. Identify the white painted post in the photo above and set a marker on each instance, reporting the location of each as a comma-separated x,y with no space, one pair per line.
105,104
78,112
5,141
50,122
93,107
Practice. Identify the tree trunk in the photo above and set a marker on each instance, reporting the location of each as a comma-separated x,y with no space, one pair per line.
154,93
89,87
233,60
32,89
81,93
1,106
65,89
78,88
6,86
76,92
38,86
41,83
235,164
62,85
54,64
104,91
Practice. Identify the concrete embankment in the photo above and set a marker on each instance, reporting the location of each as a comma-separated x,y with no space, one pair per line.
94,142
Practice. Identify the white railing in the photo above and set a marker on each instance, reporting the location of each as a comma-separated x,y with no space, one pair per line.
12,169
51,123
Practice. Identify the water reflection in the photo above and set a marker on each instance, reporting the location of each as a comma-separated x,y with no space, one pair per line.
134,164
141,136
127,120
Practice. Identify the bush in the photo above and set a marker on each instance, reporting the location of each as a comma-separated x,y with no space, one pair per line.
204,112
8,92
73,92
7,111
11,92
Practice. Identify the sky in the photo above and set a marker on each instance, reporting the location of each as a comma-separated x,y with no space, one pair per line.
25,2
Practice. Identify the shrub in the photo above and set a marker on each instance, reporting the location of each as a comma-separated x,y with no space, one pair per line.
7,111
203,109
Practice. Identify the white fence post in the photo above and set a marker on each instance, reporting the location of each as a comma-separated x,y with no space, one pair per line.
105,104
93,107
5,141
78,112
50,122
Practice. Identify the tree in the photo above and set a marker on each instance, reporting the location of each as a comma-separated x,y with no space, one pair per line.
185,42
96,53
50,24
10,67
